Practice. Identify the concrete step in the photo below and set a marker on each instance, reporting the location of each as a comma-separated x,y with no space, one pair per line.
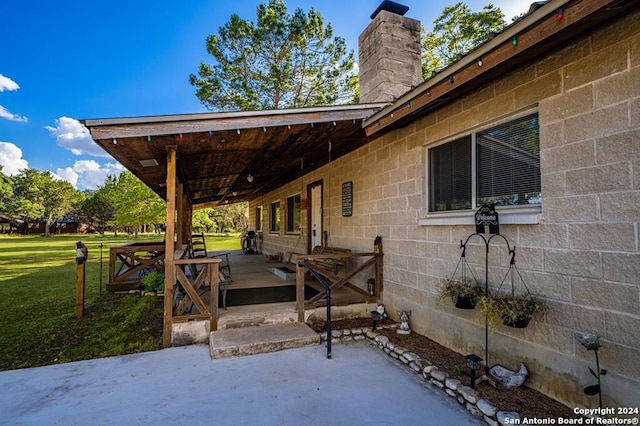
260,339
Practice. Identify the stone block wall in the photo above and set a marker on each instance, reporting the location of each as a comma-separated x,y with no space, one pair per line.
583,256
389,57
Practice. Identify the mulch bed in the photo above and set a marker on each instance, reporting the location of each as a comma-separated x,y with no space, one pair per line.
523,400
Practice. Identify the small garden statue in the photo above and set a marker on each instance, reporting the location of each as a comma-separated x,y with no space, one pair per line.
404,322
381,312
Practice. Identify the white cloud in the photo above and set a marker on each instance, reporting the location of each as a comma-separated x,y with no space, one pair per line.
512,8
4,113
72,135
7,84
11,159
88,174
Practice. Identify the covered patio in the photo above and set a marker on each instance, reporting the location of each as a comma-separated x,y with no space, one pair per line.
203,160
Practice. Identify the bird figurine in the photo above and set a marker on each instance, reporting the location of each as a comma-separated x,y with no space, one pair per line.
508,378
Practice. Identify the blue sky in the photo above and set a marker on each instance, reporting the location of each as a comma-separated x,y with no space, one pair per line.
69,60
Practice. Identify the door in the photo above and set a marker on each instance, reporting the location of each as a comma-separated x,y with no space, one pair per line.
315,215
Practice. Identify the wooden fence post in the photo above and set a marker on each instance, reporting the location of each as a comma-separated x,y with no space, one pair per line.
81,259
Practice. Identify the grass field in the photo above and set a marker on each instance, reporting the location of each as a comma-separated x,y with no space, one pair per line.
38,325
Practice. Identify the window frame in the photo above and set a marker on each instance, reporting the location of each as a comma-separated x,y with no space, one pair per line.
259,218
274,217
290,226
509,214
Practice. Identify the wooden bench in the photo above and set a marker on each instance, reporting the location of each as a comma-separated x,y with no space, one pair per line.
328,265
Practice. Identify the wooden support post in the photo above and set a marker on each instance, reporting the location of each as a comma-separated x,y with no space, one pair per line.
377,249
169,270
214,285
300,291
181,238
81,259
80,285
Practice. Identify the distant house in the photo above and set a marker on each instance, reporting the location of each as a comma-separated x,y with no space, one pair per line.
543,120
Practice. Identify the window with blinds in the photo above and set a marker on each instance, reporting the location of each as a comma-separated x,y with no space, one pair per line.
507,167
294,214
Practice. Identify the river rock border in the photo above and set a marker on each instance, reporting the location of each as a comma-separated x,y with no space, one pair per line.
467,397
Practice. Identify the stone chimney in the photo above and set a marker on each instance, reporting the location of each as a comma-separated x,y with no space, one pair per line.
389,54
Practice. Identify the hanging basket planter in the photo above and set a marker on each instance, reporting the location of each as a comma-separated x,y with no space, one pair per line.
509,308
464,294
462,288
466,302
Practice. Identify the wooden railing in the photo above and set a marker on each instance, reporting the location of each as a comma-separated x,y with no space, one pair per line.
129,262
191,277
335,281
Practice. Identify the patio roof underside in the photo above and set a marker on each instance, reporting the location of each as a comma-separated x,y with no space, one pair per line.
217,152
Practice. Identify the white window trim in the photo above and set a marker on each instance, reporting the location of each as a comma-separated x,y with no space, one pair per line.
509,215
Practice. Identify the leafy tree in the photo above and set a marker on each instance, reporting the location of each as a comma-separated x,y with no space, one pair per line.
99,210
136,204
60,198
6,190
201,220
28,201
283,61
457,31
38,194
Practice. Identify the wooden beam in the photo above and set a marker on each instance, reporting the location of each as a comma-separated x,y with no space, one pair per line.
180,236
204,123
169,276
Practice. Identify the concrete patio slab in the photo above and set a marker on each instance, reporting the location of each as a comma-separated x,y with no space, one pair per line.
178,386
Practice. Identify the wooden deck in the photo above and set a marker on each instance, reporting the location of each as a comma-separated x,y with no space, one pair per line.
253,271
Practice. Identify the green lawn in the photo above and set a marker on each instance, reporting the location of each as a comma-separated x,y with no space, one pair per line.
37,302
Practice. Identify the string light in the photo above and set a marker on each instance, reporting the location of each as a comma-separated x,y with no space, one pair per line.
238,130
288,126
210,134
391,115
409,105
115,141
451,79
334,124
180,137
264,129
312,125
148,138
479,62
429,93
514,40
560,14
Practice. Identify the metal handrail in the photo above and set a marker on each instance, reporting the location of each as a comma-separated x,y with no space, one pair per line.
327,291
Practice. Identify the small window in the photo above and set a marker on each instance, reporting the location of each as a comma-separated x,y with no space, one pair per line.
258,219
275,217
294,215
499,165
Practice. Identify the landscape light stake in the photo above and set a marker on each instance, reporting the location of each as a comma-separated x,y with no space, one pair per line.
474,362
592,343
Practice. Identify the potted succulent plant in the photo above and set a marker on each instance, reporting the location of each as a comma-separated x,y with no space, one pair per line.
464,293
512,310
